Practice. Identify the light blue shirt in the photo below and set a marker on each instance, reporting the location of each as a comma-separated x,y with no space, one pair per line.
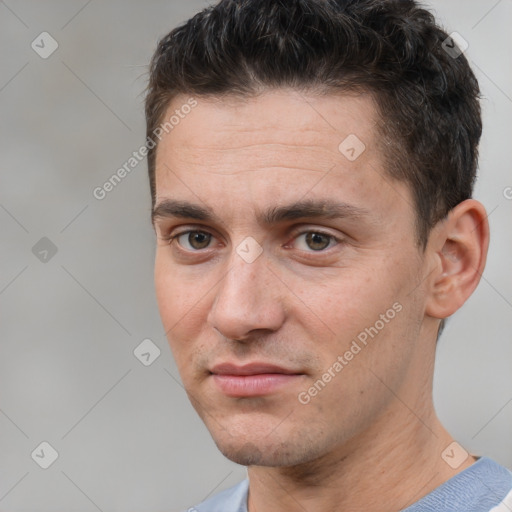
485,486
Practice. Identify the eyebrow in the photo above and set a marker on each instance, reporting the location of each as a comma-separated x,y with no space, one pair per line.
311,208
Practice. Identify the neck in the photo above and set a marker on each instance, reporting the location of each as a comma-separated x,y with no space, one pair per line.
388,467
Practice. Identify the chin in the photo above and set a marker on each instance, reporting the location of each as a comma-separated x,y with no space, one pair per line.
274,448
253,453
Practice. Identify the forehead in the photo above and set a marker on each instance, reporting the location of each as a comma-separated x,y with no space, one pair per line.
239,154
275,120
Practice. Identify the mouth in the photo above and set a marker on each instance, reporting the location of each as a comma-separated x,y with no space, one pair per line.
251,380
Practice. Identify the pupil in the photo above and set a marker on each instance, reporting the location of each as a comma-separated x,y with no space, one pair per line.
314,239
198,239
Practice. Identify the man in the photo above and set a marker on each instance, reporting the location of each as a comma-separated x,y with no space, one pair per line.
311,166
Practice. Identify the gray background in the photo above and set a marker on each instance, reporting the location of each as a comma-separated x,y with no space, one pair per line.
127,438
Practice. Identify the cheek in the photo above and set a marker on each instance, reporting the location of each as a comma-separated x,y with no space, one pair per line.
167,291
365,303
346,301
177,287
183,299
175,296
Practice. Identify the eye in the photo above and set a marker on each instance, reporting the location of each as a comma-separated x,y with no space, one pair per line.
308,241
196,240
315,240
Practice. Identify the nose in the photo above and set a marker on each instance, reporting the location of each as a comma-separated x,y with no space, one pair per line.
247,299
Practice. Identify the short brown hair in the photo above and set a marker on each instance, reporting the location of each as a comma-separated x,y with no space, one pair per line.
430,120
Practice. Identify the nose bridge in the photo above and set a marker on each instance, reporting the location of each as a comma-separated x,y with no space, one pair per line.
242,279
245,300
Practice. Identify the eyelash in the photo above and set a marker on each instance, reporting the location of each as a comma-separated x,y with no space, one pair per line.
170,238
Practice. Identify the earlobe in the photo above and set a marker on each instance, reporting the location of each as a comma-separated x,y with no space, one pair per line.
461,245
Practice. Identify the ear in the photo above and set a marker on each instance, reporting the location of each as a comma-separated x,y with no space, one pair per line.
459,245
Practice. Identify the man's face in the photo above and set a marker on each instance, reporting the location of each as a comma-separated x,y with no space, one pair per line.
261,299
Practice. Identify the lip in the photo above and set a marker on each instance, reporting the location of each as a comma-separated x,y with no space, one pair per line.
251,369
254,379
